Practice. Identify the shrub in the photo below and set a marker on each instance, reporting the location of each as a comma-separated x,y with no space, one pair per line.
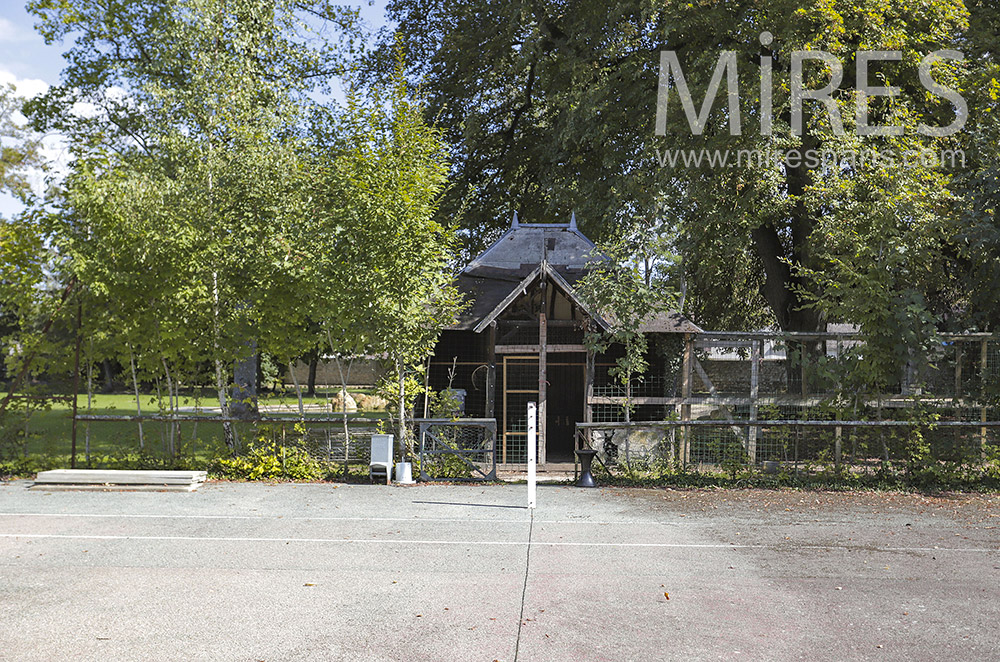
267,460
26,467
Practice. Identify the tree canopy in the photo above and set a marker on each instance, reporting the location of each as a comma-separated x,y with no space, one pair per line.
219,204
551,106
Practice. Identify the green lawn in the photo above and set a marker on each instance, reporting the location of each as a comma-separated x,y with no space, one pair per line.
49,432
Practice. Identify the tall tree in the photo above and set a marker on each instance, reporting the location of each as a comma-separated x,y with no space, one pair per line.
184,201
389,261
552,105
23,254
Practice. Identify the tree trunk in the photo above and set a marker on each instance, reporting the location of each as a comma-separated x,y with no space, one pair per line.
227,427
313,366
298,390
343,407
90,400
138,403
404,438
245,387
228,432
172,403
109,376
780,289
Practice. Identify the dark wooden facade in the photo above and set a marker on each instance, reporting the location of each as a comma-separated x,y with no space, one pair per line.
522,340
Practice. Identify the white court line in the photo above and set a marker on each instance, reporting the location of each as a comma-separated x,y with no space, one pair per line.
494,543
376,541
262,518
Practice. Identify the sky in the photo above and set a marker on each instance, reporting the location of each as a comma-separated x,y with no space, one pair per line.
32,66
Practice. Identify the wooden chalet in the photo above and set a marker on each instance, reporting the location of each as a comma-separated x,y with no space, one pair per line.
522,339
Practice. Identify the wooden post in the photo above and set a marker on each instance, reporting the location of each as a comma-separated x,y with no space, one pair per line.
542,384
983,359
588,394
491,371
837,448
802,371
958,373
503,451
755,351
543,342
588,409
686,394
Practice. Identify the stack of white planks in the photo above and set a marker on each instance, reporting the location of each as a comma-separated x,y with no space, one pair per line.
90,479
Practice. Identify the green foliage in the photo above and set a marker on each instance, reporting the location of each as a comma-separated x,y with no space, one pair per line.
445,467
380,172
444,404
563,119
268,460
944,476
181,215
215,207
625,298
26,466
19,149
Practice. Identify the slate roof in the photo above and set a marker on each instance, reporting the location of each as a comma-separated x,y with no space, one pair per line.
491,277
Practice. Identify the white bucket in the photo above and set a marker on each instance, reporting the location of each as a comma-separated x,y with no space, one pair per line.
404,473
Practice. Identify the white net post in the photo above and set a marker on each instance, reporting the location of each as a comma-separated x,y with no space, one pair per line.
532,454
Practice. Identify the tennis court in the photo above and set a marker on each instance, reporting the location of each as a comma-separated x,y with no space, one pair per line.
435,572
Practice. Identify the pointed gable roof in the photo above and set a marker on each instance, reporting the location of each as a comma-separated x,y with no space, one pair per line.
524,246
498,275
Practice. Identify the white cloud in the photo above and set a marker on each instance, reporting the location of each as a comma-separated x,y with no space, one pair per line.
26,87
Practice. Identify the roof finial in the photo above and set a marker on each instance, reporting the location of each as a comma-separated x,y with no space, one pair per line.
572,221
515,223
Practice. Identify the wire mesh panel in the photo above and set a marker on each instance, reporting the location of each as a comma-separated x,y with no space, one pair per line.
861,446
328,442
517,332
325,441
635,447
458,450
520,386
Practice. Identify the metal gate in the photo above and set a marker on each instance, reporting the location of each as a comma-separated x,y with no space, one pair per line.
461,449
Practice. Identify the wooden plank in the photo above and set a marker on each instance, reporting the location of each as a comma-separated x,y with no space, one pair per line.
537,349
114,477
637,400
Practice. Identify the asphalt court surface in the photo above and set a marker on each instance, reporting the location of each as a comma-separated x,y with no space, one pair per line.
435,572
